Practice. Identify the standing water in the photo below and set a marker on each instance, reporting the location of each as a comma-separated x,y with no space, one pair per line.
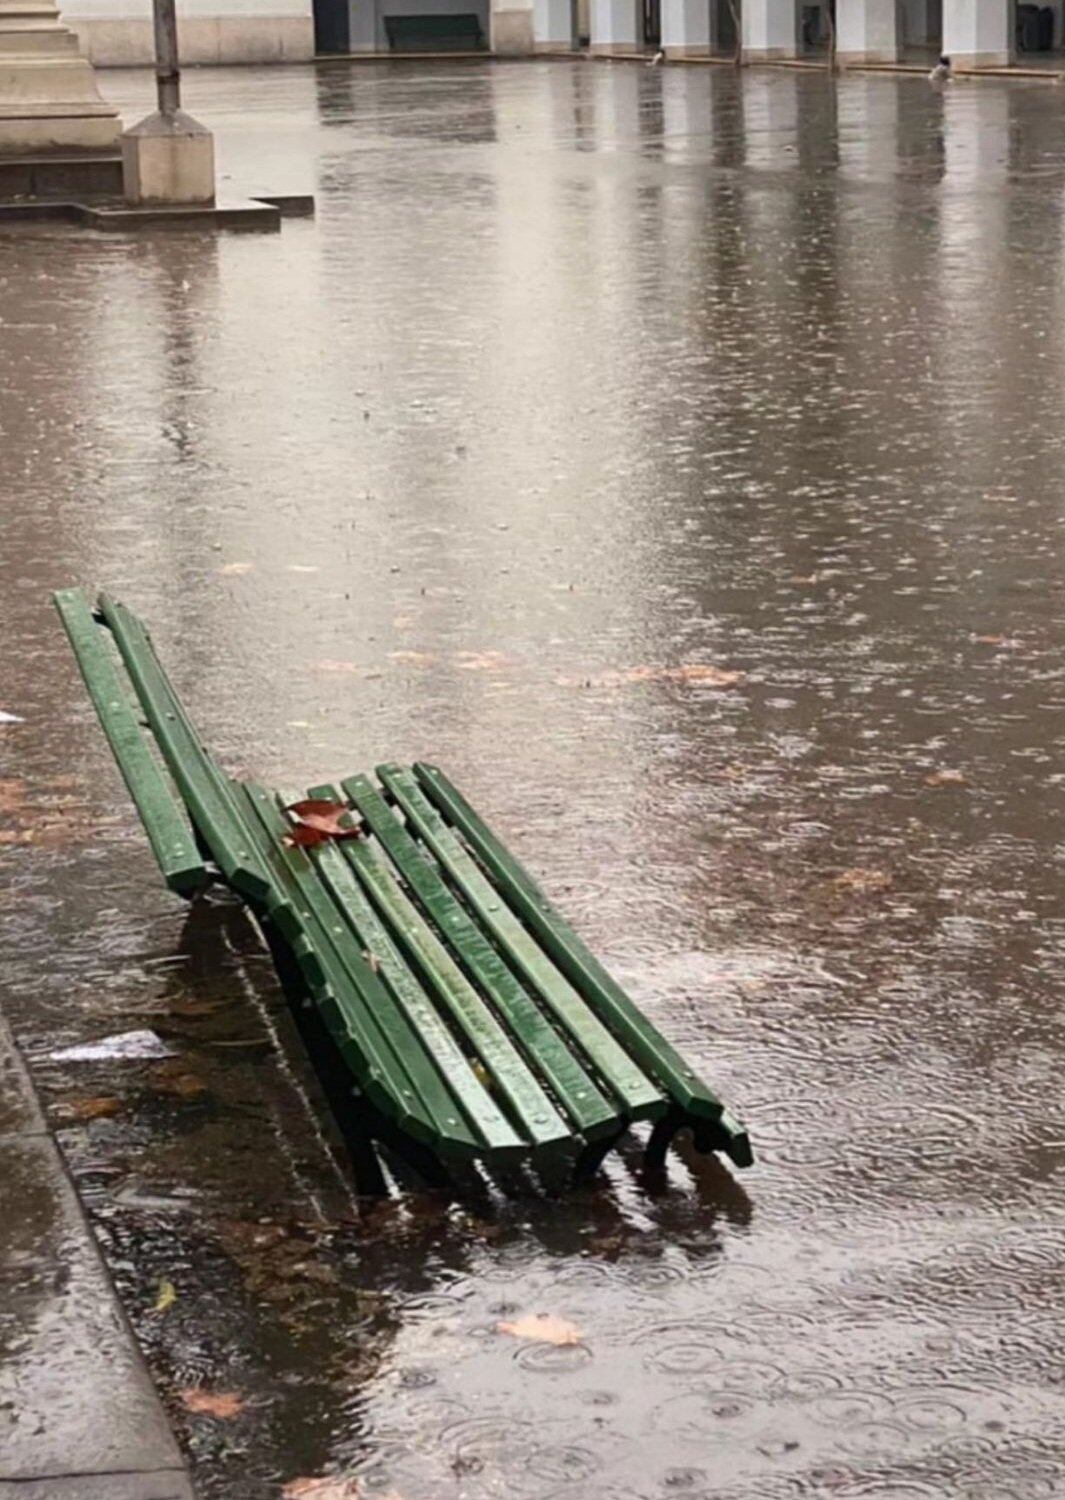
585,379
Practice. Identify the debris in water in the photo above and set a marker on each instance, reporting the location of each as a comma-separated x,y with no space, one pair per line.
6,718
212,1403
167,1296
544,1327
122,1046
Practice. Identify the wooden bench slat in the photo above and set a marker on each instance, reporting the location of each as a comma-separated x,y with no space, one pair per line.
166,823
373,937
640,1097
580,965
395,1074
591,1113
529,1105
203,786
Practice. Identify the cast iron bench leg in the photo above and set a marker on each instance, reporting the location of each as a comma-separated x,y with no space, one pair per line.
594,1154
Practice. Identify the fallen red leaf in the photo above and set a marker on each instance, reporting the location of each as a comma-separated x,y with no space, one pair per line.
319,816
224,1404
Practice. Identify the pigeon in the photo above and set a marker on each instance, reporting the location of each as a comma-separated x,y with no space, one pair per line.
942,72
656,59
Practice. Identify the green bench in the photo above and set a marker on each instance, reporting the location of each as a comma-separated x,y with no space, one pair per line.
435,984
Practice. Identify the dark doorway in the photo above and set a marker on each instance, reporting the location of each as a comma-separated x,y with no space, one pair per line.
331,28
652,22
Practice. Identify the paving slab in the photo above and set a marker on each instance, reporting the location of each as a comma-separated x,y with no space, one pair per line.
76,1398
170,1484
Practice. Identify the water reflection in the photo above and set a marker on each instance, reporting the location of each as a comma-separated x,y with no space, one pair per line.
586,372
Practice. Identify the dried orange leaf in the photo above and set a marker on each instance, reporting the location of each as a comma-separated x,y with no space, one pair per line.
224,1404
544,1327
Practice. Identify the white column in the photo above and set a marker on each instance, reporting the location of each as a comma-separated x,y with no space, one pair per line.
770,29
555,25
617,26
686,28
978,33
867,31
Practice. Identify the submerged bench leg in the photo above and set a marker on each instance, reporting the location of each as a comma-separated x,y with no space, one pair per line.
662,1134
594,1154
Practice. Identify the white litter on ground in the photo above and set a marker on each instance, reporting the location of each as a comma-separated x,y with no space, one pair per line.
123,1046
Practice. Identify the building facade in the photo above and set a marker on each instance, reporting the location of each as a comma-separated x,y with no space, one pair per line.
979,33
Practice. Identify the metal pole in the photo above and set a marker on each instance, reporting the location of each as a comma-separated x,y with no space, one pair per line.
167,71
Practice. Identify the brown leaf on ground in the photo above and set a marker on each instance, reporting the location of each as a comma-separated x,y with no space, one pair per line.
12,794
351,668
700,673
946,777
225,1404
324,1488
544,1327
174,1078
235,569
862,881
14,836
996,640
413,658
94,1109
480,661
192,1008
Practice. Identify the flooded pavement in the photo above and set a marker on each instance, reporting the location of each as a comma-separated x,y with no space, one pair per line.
584,377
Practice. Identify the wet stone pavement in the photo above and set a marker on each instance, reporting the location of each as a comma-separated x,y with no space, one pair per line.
584,377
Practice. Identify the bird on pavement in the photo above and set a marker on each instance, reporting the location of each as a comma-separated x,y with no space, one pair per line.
942,72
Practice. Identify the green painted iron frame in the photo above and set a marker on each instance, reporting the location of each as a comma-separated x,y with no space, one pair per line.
450,1011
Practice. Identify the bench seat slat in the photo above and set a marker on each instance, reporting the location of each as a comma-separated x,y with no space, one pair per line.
529,1105
640,1097
590,1112
165,821
203,786
580,965
420,1097
373,936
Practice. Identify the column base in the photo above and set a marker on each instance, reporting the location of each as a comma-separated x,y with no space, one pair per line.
549,48
28,129
673,53
982,60
606,49
769,54
866,59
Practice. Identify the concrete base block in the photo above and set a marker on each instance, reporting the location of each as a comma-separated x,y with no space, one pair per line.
615,49
168,159
769,54
674,53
